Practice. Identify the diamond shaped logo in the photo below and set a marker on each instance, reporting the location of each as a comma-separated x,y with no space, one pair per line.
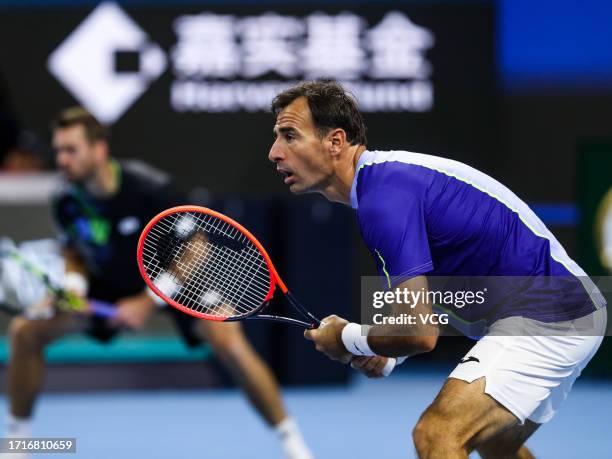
107,62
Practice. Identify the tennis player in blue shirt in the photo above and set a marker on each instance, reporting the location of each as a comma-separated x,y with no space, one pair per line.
422,216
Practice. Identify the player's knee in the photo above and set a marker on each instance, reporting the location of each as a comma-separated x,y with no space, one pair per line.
232,353
422,436
227,340
426,435
24,335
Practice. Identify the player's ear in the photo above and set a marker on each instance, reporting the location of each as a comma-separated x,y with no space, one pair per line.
337,140
102,150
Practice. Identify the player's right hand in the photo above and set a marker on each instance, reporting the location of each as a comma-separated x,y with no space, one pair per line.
133,312
371,366
328,338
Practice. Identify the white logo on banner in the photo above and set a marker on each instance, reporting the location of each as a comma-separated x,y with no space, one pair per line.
384,66
228,63
85,62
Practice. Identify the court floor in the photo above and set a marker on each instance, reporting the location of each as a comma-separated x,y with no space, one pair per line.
368,419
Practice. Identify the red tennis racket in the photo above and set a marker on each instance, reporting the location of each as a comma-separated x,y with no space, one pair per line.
208,265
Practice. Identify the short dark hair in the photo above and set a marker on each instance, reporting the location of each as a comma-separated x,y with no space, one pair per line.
74,116
331,107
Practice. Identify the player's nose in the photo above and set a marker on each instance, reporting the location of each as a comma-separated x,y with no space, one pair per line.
276,153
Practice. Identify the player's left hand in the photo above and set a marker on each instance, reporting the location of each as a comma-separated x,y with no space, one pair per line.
133,312
328,339
371,366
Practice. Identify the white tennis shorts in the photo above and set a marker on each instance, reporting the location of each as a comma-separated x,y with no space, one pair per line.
530,376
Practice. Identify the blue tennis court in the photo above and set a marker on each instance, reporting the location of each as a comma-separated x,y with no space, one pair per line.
220,424
149,166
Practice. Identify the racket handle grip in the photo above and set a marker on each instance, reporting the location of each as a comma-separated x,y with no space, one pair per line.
103,309
389,366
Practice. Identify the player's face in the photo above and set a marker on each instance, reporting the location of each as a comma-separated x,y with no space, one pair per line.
75,155
298,151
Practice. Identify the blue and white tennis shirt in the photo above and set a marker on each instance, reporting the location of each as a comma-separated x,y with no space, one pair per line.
421,214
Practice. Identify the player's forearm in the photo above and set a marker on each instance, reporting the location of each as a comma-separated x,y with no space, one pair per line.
408,339
389,342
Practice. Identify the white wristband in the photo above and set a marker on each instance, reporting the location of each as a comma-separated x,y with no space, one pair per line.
76,283
354,341
392,362
389,366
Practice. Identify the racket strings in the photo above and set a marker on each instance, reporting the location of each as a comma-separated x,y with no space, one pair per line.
200,274
230,274
194,273
191,293
206,264
232,265
236,285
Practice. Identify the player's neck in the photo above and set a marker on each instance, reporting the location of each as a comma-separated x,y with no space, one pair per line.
105,182
339,187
